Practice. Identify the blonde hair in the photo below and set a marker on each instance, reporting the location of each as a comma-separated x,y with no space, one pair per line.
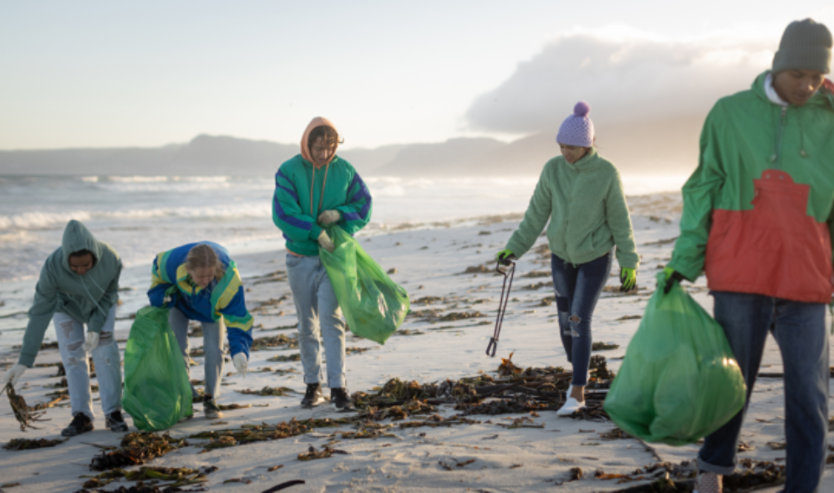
201,256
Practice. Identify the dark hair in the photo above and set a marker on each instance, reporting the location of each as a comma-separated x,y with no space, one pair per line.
326,132
81,253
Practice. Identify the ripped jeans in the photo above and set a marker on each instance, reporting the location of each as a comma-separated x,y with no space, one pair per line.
108,368
577,290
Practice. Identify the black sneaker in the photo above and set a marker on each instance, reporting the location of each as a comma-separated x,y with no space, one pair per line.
341,399
81,423
312,397
211,410
115,421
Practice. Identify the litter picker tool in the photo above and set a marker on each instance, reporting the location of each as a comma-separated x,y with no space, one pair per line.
508,272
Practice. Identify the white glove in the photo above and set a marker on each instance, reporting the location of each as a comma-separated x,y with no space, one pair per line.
241,363
329,216
12,376
326,242
92,341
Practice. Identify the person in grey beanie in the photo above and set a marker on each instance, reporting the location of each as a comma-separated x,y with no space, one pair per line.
758,218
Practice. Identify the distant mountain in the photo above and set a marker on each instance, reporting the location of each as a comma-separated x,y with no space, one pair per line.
659,146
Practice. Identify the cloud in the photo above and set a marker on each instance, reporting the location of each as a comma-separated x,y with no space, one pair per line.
622,79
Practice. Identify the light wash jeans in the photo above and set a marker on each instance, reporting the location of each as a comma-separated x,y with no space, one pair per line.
213,336
577,290
799,329
70,335
319,317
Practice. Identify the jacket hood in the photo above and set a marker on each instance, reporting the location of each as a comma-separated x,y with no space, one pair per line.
76,238
305,147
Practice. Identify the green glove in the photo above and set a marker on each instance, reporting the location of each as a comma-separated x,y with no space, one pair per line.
628,279
671,277
505,256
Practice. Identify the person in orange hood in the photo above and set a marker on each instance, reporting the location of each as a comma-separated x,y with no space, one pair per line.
313,190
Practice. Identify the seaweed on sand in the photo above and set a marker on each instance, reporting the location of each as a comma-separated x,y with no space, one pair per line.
174,477
136,448
263,432
27,444
24,414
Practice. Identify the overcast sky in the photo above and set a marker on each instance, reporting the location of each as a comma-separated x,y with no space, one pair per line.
109,73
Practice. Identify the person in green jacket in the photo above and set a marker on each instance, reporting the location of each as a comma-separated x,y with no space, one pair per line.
78,285
314,190
580,193
757,219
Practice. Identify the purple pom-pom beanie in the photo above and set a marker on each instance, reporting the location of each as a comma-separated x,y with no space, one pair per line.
577,129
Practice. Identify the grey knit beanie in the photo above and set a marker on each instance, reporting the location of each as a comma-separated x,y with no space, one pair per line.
805,45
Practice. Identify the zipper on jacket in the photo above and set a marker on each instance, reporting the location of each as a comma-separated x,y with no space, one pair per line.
777,152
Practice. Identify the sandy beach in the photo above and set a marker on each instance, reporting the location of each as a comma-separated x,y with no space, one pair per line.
448,271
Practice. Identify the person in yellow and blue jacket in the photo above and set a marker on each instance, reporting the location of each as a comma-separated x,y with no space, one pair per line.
313,190
199,281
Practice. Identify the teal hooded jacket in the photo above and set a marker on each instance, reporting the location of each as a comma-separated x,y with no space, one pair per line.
87,298
587,210
302,191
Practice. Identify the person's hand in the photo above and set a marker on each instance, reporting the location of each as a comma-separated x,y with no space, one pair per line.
505,256
628,278
670,278
92,341
12,375
325,242
329,216
241,363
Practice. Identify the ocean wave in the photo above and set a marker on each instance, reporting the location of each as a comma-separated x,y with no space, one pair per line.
40,220
173,184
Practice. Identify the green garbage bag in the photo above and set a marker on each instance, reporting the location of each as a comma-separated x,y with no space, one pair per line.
157,391
679,380
374,306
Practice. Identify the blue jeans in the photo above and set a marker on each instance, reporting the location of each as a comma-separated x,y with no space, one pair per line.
577,290
799,330
319,317
213,336
70,335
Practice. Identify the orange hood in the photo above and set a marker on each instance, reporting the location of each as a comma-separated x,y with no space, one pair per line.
305,145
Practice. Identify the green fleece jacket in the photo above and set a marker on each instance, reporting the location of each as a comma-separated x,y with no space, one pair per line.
587,210
87,298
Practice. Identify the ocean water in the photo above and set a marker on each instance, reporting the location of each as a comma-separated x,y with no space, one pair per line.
142,215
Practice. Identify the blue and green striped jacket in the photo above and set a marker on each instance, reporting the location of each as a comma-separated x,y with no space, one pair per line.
295,208
222,298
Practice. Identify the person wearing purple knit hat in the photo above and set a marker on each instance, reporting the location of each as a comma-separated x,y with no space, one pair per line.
581,195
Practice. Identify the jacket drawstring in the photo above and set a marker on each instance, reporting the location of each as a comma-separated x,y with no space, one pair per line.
777,151
321,194
95,302
802,152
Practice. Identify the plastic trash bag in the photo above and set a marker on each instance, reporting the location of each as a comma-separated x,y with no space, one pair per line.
679,380
157,390
374,306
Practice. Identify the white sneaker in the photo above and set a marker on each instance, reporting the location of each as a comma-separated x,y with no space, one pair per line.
709,482
571,405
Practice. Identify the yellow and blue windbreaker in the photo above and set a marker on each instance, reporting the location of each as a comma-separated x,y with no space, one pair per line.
222,298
